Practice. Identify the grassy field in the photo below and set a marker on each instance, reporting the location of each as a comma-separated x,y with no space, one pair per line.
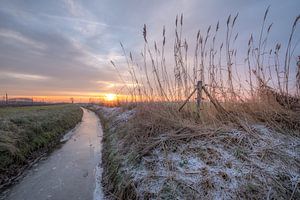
28,132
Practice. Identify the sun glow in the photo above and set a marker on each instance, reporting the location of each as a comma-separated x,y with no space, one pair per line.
110,97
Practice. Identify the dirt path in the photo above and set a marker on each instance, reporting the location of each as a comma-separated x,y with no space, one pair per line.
71,172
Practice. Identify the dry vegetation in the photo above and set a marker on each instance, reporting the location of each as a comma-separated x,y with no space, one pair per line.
266,70
151,155
26,133
244,144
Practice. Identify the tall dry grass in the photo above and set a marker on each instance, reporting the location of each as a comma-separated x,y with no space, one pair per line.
267,85
160,83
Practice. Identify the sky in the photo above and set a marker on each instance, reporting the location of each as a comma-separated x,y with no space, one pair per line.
64,47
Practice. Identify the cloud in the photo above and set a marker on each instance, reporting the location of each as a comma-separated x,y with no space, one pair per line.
18,37
74,19
29,77
74,8
66,45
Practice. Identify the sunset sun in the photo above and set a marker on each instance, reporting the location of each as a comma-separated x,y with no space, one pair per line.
110,97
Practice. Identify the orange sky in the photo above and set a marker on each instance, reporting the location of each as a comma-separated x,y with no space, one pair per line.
77,99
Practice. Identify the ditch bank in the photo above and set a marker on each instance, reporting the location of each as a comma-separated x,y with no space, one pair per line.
147,155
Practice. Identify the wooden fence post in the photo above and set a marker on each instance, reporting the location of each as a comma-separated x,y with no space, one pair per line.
6,98
197,89
199,96
185,102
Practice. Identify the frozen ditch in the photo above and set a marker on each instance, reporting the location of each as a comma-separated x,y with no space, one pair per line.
71,172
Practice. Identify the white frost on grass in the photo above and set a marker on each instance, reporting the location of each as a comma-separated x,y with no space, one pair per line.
98,192
227,167
228,173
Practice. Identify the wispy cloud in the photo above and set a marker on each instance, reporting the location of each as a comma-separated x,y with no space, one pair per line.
74,19
18,37
28,77
74,8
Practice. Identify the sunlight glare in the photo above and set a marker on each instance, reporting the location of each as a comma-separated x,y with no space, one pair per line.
110,97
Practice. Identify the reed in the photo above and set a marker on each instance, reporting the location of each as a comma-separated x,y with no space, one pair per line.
213,61
241,115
